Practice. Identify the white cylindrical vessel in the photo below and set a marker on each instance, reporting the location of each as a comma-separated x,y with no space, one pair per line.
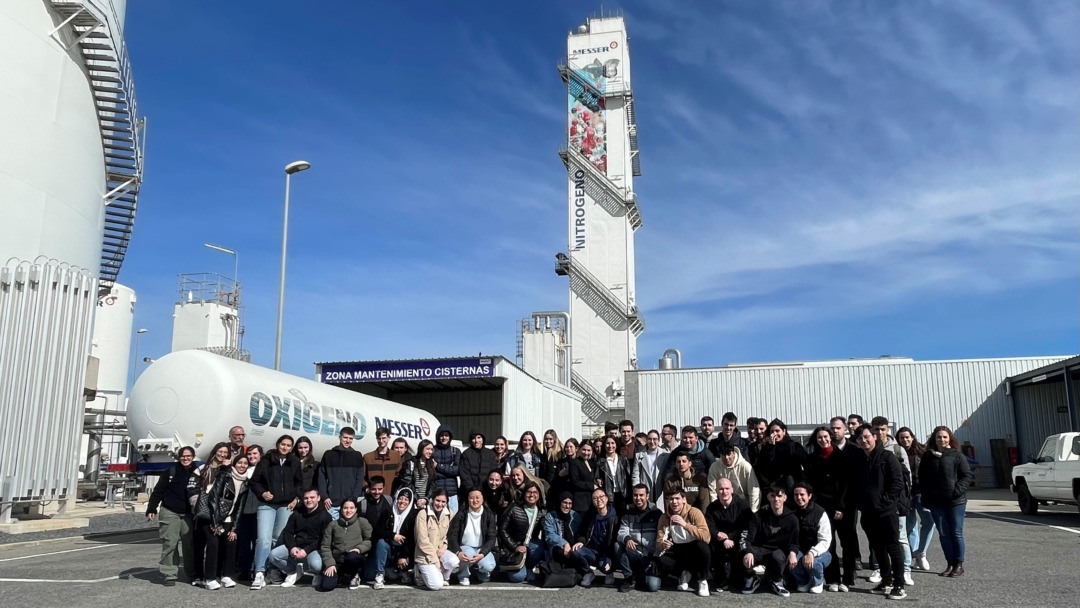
112,342
194,397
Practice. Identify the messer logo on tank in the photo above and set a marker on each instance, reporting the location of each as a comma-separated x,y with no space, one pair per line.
297,413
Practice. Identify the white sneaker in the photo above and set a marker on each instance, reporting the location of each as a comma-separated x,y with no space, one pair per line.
197,582
213,585
834,588
464,581
445,582
588,578
907,580
379,582
227,582
759,570
817,588
290,580
875,576
923,563
703,588
684,581
842,588
259,582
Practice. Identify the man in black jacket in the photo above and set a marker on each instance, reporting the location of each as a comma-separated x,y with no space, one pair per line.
476,462
879,481
729,435
728,517
341,473
300,540
772,541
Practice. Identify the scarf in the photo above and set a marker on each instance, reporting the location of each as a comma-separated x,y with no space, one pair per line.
827,451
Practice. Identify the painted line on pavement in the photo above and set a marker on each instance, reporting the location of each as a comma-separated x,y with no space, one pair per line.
1025,521
102,546
56,580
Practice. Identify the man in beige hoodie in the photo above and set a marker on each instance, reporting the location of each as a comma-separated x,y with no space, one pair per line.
682,539
731,465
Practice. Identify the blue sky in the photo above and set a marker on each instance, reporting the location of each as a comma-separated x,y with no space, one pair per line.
820,180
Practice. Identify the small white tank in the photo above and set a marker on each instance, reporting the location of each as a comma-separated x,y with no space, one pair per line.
193,397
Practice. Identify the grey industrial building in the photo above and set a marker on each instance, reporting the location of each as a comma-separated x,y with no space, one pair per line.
991,404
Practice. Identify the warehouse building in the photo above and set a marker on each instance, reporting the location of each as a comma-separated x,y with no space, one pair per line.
487,394
974,397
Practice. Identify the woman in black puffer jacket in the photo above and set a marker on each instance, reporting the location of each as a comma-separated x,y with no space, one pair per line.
944,477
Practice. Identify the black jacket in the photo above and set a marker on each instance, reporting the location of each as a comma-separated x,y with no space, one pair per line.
513,525
225,501
944,479
170,491
373,510
829,479
305,529
780,463
767,530
474,468
809,520
619,482
731,520
409,478
488,530
447,463
582,483
879,481
283,480
341,474
588,525
700,461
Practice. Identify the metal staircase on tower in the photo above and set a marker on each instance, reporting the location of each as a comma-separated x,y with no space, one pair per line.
593,292
593,403
122,129
614,199
631,131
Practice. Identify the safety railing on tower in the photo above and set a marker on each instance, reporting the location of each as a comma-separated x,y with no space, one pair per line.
598,296
89,25
612,198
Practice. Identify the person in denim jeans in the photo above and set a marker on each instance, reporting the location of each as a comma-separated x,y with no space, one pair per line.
472,538
945,477
276,482
815,538
301,539
519,530
920,523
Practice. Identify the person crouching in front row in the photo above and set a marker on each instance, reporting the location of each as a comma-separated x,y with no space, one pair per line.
345,544
683,546
434,560
472,538
770,544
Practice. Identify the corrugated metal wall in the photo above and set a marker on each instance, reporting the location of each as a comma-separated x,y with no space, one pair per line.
532,405
968,396
1037,415
46,311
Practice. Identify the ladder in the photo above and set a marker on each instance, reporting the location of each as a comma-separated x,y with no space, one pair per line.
593,403
122,129
613,199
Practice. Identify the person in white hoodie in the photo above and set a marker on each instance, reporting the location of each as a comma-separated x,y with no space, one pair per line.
732,466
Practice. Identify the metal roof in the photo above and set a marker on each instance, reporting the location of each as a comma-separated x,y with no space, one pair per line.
482,356
1046,371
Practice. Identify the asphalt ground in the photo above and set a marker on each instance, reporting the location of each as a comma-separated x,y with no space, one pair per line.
1012,560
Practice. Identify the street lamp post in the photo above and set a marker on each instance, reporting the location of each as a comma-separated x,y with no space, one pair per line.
135,359
236,270
293,167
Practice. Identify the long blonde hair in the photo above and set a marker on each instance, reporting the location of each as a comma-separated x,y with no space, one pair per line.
555,453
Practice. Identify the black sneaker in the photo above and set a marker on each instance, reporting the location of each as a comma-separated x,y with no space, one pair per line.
626,586
897,593
752,584
883,588
779,589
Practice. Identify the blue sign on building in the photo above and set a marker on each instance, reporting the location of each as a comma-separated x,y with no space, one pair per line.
407,371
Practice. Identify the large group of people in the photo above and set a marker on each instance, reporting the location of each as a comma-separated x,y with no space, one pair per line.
703,507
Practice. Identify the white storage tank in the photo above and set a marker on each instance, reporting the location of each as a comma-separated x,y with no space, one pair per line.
194,397
114,319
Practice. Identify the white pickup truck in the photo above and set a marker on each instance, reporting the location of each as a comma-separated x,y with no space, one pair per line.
1052,477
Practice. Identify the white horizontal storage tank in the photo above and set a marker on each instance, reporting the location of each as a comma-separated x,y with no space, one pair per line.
193,397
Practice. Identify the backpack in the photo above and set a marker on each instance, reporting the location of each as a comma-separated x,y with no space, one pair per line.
556,575
903,502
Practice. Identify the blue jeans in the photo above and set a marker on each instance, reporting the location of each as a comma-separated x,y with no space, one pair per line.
816,575
280,559
270,522
533,556
484,567
950,524
452,503
335,512
382,551
904,543
920,527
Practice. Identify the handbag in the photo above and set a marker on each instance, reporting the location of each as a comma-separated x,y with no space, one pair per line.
202,507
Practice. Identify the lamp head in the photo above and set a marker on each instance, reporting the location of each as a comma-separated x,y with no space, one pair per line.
297,166
142,330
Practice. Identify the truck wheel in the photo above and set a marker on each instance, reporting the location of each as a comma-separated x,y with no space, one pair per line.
1028,505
